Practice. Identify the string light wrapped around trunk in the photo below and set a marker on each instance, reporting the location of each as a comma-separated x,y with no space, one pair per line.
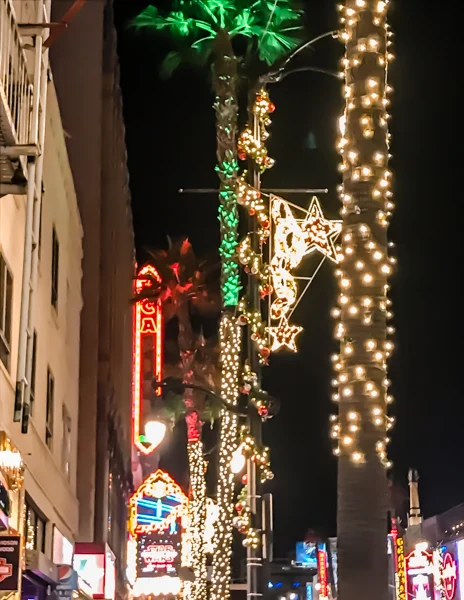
197,520
230,336
363,311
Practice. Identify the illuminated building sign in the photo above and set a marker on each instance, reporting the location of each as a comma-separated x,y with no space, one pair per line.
158,553
147,363
322,573
157,505
419,575
158,510
400,578
449,576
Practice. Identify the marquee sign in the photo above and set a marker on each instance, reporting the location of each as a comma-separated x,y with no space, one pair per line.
148,345
157,505
400,578
449,576
158,554
419,575
322,573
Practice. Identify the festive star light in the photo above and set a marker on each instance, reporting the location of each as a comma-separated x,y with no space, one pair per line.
320,233
293,239
284,334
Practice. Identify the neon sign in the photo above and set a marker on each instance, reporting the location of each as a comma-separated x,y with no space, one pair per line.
449,576
322,573
400,578
419,575
148,346
157,505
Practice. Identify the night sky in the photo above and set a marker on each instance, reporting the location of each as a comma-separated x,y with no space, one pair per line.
171,145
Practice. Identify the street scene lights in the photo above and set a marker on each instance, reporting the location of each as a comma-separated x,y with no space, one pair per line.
238,462
155,432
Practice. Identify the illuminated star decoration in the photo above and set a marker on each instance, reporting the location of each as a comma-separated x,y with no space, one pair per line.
292,240
284,334
320,233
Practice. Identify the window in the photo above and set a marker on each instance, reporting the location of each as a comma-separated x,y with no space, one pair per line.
50,408
33,369
6,293
34,529
66,444
55,268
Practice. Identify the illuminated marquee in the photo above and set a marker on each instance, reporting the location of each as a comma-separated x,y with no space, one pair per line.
322,574
158,510
419,575
400,577
147,363
156,505
449,576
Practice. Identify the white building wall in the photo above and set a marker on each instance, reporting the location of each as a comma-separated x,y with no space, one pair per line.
51,490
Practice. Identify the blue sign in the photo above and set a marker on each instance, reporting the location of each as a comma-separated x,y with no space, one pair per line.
306,554
67,582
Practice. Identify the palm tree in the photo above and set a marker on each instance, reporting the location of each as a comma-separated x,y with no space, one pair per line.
362,484
187,285
207,33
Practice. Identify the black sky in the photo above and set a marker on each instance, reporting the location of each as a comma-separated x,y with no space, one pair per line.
171,143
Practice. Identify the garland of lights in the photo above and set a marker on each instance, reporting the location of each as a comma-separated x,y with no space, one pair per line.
230,337
255,149
197,521
363,306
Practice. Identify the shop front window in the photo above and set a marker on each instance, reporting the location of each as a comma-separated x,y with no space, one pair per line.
35,529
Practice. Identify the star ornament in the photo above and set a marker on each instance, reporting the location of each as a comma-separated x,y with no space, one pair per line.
284,334
320,233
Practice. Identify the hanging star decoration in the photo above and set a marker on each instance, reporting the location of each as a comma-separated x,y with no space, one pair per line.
284,335
293,239
320,233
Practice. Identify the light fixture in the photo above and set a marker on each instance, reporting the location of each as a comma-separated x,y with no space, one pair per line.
237,464
155,432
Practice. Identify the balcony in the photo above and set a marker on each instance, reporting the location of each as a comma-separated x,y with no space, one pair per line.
16,104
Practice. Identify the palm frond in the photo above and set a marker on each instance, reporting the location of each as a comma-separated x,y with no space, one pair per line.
150,18
275,45
170,63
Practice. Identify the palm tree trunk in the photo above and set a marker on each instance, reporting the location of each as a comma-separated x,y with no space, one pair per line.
362,369
226,106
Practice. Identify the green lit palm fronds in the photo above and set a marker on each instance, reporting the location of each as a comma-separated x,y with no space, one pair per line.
271,28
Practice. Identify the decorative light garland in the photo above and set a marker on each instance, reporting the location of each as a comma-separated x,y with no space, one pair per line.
197,521
363,307
230,336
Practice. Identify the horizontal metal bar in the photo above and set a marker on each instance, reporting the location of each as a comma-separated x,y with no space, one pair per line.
265,190
19,150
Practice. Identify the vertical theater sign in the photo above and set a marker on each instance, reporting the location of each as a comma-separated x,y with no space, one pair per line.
158,513
148,348
420,569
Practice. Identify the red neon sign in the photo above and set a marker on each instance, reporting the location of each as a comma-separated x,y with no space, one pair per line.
449,576
322,571
148,348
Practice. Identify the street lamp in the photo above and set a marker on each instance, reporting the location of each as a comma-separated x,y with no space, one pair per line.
238,462
155,432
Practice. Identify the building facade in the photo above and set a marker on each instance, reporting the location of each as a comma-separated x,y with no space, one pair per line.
41,233
87,78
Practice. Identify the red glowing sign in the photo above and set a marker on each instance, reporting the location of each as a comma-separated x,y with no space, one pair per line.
449,576
148,346
322,572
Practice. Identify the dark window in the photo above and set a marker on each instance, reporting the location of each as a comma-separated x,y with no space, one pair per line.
34,529
6,294
55,268
50,408
33,370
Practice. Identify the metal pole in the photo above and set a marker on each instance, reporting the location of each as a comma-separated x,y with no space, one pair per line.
254,556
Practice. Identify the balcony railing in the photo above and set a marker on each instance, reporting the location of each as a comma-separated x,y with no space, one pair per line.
16,89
